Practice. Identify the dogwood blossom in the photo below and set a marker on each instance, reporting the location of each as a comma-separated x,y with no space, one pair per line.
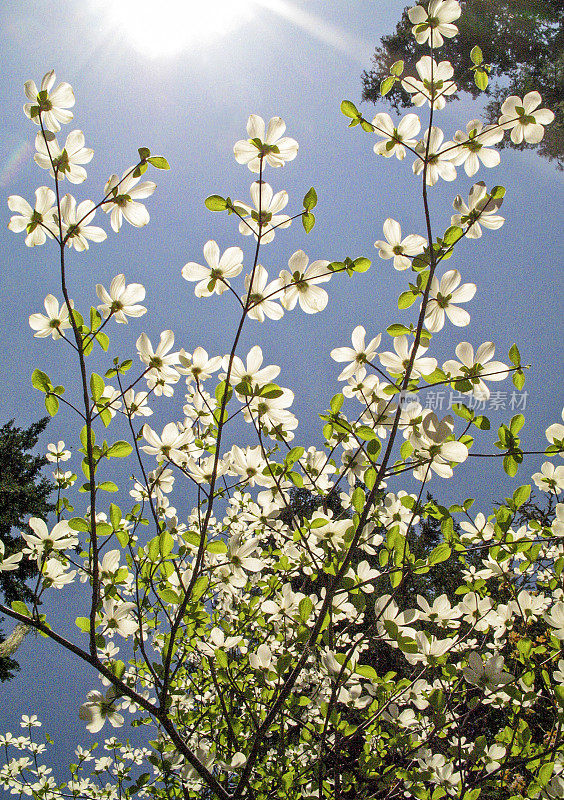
252,372
434,446
272,146
99,708
300,284
124,194
161,361
481,210
397,248
442,296
398,362
65,162
433,23
214,279
121,301
550,478
395,140
39,222
76,220
197,366
524,119
435,83
438,159
169,445
52,324
474,147
48,105
57,452
11,562
360,353
486,674
43,541
264,217
474,368
260,298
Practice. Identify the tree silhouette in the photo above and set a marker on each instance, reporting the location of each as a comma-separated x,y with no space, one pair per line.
522,40
23,492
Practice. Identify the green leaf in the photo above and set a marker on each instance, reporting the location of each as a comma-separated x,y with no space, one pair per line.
215,203
476,55
406,299
308,221
510,465
310,200
440,553
108,486
166,544
497,193
20,608
482,423
40,380
515,355
387,84
362,264
79,524
159,162
396,68
336,403
516,424
51,404
305,608
521,495
144,153
115,515
358,499
366,433
119,449
83,623
97,386
103,340
349,109
481,79
398,330
519,379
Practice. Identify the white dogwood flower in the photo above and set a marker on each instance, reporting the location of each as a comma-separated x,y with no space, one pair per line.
398,362
401,250
359,354
435,83
65,162
264,217
433,23
270,146
477,368
481,210
52,324
261,296
214,279
438,159
524,119
442,297
121,301
48,104
39,222
300,284
76,220
395,140
474,146
125,192
99,708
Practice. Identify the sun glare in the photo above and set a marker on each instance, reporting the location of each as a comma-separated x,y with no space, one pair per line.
160,28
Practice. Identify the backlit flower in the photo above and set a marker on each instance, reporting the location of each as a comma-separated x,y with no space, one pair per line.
272,146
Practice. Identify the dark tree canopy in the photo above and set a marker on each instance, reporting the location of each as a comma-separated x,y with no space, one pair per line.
24,492
522,40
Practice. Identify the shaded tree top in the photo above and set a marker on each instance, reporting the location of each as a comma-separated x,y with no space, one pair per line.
522,40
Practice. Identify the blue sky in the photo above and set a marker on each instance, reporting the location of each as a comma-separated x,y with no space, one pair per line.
299,62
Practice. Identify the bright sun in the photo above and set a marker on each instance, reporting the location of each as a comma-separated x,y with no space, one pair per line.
165,27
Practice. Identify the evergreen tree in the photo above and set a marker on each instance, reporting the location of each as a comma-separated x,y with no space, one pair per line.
24,492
